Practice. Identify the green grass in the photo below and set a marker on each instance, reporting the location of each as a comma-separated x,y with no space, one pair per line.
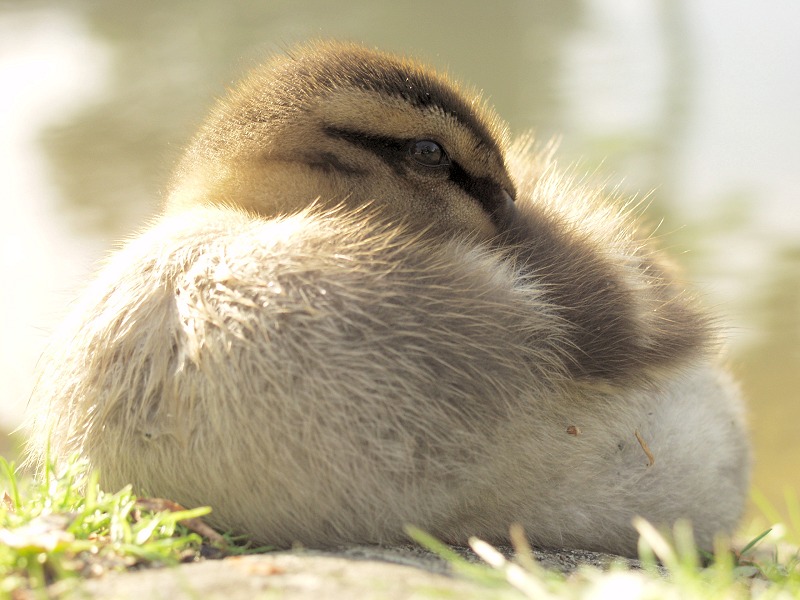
64,528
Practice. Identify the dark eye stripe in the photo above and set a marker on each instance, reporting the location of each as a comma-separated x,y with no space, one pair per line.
385,147
488,193
330,163
491,195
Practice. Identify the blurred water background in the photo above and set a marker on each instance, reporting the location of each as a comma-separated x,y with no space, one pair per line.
695,101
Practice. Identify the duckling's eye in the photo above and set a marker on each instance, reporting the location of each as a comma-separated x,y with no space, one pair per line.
428,153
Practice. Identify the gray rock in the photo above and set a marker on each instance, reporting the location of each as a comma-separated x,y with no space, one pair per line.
359,572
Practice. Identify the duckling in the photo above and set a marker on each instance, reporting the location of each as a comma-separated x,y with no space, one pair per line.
363,306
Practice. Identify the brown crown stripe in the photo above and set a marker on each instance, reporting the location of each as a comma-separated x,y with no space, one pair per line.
393,77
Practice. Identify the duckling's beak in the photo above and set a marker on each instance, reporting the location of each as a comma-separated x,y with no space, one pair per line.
502,208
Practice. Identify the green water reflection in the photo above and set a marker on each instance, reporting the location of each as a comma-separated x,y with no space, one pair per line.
632,85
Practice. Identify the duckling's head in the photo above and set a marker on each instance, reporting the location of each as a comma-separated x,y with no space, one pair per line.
338,124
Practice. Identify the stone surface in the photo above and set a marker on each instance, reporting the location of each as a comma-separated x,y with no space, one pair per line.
361,572
274,576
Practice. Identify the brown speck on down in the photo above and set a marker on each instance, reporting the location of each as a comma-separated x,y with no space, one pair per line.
651,460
